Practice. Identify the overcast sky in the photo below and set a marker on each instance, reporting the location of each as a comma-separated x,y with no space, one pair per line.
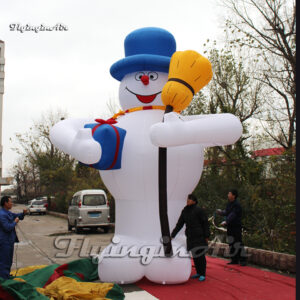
69,70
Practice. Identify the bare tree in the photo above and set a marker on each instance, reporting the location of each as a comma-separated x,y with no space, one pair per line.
232,90
27,181
37,156
268,29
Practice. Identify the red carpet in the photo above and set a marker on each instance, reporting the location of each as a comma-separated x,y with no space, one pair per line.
227,283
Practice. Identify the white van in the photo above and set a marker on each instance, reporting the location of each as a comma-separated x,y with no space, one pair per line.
89,209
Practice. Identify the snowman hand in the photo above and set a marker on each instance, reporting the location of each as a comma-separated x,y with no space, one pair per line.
84,148
169,133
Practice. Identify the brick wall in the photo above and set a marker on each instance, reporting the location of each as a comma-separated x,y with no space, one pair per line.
265,258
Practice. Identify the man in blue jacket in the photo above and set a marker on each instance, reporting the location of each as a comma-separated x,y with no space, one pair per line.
233,213
8,237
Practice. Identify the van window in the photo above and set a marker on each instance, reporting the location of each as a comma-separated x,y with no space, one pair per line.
92,200
37,202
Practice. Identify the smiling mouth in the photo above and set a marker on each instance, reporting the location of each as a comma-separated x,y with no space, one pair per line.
144,98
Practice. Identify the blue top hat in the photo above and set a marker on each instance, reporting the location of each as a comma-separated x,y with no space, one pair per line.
148,48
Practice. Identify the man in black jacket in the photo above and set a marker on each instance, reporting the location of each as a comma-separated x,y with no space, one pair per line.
233,213
197,233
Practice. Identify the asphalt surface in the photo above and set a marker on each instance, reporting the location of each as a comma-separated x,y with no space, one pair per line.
45,240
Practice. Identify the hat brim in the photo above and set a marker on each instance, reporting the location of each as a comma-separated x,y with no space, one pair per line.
139,62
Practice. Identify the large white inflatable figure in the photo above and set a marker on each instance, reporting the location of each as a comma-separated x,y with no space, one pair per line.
125,150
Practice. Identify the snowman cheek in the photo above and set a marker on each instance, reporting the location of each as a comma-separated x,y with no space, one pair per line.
127,100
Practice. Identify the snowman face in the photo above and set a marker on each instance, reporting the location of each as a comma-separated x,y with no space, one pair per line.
142,88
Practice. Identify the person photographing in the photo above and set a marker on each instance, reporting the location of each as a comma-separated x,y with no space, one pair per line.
197,234
8,236
233,214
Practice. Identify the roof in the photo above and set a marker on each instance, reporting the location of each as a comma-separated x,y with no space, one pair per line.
268,152
221,160
256,153
90,191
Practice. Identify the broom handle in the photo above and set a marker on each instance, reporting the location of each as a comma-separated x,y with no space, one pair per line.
163,197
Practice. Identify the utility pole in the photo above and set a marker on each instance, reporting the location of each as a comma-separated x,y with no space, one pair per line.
3,181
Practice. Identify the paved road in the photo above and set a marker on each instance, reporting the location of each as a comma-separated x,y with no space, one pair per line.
45,239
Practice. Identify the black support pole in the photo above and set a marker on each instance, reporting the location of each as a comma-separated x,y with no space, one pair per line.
163,197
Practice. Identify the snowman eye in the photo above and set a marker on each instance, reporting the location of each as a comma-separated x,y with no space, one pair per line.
153,75
139,75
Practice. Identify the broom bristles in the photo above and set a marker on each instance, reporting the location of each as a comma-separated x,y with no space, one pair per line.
193,70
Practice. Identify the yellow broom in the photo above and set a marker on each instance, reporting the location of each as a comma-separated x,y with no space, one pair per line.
189,72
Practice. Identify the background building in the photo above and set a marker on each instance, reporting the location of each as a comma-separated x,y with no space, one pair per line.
3,181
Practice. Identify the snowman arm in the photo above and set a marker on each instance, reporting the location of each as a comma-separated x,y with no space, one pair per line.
207,130
71,137
63,133
196,117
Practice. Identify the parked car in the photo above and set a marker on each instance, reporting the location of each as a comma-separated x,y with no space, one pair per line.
37,206
89,209
44,200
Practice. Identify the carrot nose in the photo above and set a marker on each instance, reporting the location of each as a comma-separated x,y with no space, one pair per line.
145,79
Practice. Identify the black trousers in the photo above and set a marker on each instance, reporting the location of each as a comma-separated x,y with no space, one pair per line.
198,254
236,247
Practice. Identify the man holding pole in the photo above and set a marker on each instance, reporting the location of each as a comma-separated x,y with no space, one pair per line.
197,233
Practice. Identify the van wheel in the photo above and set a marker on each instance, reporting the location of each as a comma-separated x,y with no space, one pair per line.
105,229
69,226
77,229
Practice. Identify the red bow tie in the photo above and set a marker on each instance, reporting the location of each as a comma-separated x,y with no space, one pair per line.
109,121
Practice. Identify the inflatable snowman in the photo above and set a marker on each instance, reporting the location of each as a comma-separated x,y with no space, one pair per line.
125,150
